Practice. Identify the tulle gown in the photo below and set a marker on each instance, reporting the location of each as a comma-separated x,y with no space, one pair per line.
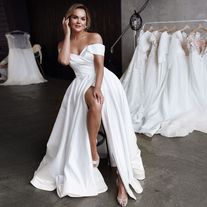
22,66
198,70
67,165
181,110
198,77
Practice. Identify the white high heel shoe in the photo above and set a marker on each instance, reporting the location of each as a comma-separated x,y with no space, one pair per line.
96,162
121,201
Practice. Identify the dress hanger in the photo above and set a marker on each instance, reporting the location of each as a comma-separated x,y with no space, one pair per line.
171,30
186,27
151,29
200,26
165,28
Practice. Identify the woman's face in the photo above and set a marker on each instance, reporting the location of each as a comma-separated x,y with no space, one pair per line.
78,20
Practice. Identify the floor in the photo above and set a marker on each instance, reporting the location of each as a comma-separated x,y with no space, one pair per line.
176,168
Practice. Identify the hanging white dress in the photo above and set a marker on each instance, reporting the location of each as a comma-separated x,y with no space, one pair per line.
22,66
197,64
204,60
177,82
133,78
181,111
198,77
162,56
153,115
67,165
151,74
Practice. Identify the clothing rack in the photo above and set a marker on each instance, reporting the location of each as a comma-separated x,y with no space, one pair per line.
173,22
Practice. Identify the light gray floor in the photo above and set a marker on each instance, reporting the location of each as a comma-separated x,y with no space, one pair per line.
176,168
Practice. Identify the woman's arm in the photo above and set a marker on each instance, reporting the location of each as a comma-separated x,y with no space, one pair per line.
64,46
99,67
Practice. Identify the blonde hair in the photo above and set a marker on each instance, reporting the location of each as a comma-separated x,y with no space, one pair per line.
79,6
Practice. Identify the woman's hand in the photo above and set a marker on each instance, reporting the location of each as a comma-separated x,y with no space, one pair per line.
98,95
66,27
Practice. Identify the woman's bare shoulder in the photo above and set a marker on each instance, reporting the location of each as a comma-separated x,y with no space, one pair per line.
94,38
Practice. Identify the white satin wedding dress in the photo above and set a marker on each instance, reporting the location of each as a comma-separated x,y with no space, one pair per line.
67,165
133,79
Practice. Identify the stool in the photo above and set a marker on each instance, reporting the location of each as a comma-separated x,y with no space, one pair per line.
102,133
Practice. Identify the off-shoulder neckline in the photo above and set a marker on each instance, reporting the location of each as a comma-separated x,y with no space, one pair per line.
86,48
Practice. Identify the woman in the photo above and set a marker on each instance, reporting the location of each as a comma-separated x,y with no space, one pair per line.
71,161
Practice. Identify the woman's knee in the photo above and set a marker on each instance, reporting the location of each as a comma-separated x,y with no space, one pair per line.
95,106
92,102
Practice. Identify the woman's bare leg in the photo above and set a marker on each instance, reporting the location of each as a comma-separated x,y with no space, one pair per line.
93,120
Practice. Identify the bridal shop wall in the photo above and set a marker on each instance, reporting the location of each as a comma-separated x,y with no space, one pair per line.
157,10
13,16
46,29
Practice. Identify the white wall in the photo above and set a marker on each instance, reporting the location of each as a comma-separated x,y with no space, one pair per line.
158,10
